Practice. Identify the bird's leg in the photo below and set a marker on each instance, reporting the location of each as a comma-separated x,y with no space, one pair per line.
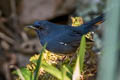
63,58
72,58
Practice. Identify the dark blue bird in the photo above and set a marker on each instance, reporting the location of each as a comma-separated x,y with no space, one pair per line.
63,39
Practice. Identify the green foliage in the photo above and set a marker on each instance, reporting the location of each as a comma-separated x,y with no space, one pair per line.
66,72
24,74
52,70
39,62
80,60
81,53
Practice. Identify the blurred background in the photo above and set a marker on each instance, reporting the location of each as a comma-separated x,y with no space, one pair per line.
17,44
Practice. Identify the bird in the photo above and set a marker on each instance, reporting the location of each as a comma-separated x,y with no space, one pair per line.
63,39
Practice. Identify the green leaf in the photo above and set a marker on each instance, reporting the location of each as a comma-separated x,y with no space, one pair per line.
81,53
69,70
76,72
65,73
52,70
39,61
24,74
80,60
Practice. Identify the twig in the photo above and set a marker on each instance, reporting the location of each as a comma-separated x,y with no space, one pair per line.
6,30
24,36
6,38
14,20
13,14
7,71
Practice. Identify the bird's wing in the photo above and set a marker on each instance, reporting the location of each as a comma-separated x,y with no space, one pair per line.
71,38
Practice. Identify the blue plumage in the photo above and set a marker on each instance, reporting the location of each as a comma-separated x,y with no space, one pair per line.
63,39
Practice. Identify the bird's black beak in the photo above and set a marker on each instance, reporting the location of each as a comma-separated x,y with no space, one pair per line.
32,27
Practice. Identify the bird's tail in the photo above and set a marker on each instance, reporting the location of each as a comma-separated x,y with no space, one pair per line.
91,25
98,20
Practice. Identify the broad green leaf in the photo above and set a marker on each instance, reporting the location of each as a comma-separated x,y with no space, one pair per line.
80,60
52,70
76,72
66,74
24,74
81,53
69,70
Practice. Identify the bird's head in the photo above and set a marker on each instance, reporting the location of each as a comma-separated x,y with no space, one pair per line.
42,27
39,25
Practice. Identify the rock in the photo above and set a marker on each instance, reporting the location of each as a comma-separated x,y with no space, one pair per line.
32,10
